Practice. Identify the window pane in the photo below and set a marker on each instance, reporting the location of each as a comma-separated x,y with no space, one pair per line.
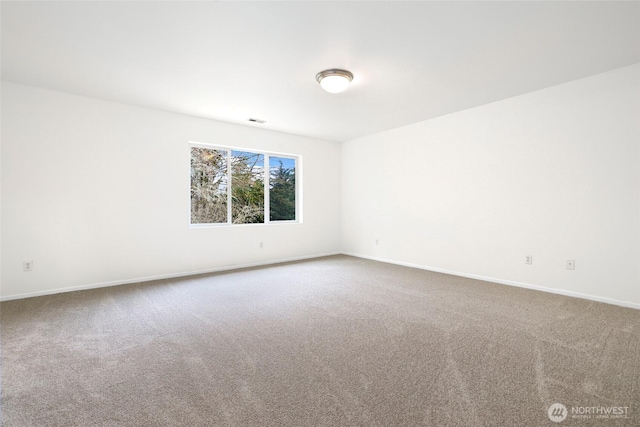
247,187
282,189
208,186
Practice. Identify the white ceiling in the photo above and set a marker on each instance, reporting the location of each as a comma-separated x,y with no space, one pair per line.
235,60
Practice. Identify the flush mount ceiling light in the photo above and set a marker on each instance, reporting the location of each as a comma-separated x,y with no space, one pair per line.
334,80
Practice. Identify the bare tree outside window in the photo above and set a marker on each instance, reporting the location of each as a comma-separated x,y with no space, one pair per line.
208,186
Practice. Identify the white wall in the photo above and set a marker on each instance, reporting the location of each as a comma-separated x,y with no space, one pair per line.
96,192
553,173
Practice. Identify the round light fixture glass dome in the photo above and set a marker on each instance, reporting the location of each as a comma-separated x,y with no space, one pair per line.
334,80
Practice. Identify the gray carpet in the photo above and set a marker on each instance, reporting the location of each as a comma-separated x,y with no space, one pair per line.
335,341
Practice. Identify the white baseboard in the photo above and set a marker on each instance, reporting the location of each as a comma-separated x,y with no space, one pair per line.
502,281
160,277
301,258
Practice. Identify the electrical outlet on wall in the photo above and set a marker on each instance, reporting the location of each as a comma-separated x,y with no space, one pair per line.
528,259
27,265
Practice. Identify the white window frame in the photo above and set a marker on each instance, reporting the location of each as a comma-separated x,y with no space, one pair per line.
267,173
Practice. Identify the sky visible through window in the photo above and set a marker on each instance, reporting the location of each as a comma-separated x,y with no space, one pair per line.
274,161
286,162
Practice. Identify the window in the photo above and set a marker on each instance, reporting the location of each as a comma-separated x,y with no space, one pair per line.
282,189
231,186
247,187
